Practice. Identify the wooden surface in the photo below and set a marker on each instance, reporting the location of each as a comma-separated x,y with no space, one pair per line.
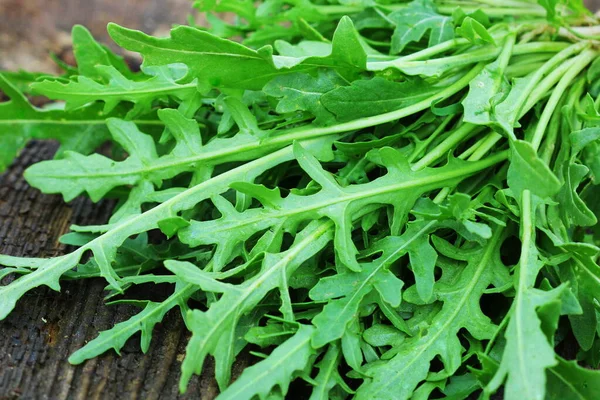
31,29
46,326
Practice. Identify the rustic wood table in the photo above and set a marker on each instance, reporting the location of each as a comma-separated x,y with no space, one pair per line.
46,326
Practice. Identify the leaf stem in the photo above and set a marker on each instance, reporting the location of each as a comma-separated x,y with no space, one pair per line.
555,68
578,64
457,60
569,100
474,153
451,141
424,144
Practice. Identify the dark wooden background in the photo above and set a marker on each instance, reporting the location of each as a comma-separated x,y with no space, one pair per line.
46,326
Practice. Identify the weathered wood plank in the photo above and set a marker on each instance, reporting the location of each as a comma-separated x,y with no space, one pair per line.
46,326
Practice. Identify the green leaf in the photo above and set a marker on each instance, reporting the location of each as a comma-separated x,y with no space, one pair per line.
368,97
90,54
474,31
94,174
213,331
215,62
527,354
276,370
116,337
415,20
47,272
583,275
573,209
97,174
488,89
143,93
302,92
346,53
567,380
528,172
328,376
20,122
460,291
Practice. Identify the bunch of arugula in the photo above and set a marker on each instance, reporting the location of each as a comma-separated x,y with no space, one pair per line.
393,200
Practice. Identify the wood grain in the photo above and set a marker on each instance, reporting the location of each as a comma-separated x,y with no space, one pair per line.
46,326
30,30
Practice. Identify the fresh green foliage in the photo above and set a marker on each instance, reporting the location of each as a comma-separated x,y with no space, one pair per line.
392,200
415,20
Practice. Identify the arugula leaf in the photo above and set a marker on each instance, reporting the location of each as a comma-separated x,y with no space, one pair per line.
488,88
414,21
302,92
20,122
213,331
210,59
346,53
474,31
97,174
118,89
527,354
90,54
145,321
365,98
460,293
277,369
569,380
528,172
329,376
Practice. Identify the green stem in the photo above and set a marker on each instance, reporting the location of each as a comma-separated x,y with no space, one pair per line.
527,236
474,153
550,141
579,63
507,52
500,328
442,149
445,63
522,69
556,67
487,144
419,148
535,89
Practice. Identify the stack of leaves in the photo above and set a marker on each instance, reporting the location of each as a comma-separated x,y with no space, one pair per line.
370,199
